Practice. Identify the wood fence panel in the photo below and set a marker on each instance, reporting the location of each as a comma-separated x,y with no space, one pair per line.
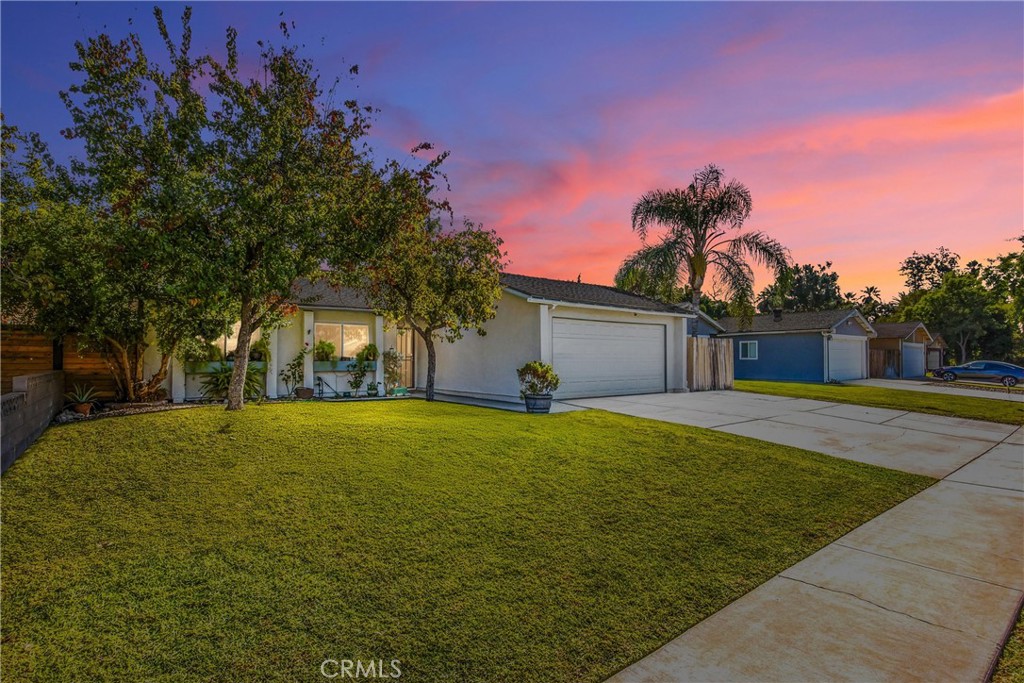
709,363
28,353
23,353
89,368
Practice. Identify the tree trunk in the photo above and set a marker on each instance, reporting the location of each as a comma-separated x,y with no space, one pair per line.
125,363
963,349
236,390
152,387
428,341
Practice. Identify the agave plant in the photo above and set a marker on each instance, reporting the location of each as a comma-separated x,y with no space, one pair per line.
81,395
215,385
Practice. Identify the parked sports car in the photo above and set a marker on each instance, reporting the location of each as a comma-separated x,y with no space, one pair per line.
1006,374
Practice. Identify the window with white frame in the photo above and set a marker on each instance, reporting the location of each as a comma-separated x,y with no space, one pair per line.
348,338
748,350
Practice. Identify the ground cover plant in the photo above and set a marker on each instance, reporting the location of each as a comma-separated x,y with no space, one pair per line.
470,544
950,405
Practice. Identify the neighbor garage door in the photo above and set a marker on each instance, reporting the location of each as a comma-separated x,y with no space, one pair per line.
595,358
913,360
847,357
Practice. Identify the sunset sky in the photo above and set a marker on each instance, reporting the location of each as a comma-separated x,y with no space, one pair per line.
864,131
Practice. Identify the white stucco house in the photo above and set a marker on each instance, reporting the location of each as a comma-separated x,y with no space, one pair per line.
601,341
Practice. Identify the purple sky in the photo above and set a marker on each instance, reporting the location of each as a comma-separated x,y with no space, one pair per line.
864,131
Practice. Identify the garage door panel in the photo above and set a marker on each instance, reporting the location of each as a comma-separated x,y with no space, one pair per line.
847,358
913,360
595,358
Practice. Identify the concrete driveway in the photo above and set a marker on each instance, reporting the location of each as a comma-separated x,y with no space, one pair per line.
923,444
925,591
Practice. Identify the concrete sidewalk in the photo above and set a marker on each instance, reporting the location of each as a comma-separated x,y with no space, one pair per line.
934,387
925,591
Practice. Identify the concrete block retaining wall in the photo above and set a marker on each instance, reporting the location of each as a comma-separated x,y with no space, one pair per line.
26,412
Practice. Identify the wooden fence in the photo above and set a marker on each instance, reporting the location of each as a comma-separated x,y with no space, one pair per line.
709,363
27,353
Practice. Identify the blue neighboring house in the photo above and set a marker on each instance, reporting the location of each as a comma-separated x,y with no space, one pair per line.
814,346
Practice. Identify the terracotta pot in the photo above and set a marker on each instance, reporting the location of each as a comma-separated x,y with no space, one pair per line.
82,408
303,392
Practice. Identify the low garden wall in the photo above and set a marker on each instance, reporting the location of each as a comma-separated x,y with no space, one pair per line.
27,411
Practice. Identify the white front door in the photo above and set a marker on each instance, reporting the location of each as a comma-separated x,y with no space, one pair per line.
847,357
598,358
913,360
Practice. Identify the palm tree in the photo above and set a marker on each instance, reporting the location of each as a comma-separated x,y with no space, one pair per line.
871,293
699,219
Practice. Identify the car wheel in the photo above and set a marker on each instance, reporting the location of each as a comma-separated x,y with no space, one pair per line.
1009,381
948,377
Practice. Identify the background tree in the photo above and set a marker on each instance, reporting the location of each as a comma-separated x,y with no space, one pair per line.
967,314
811,288
698,241
1004,275
438,283
98,248
925,271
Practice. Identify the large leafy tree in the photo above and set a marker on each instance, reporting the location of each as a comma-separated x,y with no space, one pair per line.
439,283
1004,275
808,288
967,314
700,241
295,187
925,271
99,248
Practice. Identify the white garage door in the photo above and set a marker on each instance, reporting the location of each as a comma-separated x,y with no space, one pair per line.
607,359
913,360
847,357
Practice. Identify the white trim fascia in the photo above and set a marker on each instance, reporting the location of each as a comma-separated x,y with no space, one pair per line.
636,311
336,308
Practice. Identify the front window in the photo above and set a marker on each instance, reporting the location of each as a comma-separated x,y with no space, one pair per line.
748,350
348,339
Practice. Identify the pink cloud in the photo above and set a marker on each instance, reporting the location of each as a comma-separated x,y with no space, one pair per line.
860,190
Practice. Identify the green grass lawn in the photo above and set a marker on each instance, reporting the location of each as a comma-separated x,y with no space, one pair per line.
951,405
1010,668
470,544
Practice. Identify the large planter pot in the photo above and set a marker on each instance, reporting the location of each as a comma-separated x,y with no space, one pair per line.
303,392
538,403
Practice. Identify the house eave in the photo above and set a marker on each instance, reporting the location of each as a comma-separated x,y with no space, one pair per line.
618,309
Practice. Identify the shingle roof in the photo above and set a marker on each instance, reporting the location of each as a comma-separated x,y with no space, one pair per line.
808,321
584,293
897,330
322,294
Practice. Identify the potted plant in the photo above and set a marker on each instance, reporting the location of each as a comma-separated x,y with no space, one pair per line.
323,351
536,382
201,357
373,389
81,399
259,352
370,353
293,374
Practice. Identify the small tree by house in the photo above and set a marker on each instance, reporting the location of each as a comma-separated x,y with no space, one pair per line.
438,283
